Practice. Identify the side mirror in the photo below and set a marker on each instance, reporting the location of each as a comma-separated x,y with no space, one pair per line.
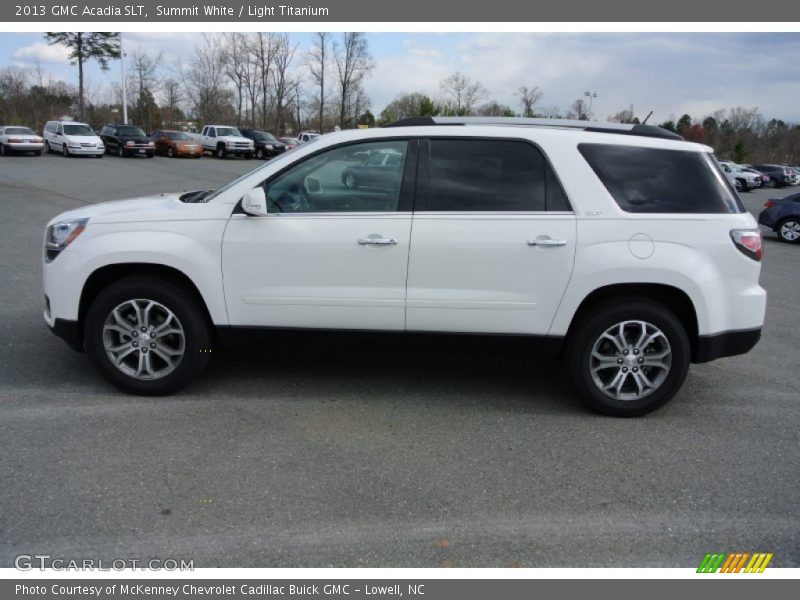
312,185
254,202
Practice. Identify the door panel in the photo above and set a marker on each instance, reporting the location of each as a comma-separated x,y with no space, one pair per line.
326,256
478,273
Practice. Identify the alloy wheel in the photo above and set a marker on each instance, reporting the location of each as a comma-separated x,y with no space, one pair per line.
630,360
790,230
144,339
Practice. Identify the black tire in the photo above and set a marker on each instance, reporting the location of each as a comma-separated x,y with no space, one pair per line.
2,150
589,330
260,154
170,152
99,155
47,147
785,236
222,153
120,152
743,185
65,150
192,318
248,156
38,153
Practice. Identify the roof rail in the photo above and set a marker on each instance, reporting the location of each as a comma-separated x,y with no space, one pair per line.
594,126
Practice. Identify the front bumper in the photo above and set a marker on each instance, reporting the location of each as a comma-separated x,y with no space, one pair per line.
726,343
134,151
81,151
69,332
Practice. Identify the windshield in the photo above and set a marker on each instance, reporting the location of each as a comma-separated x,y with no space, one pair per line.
228,131
263,136
78,130
19,131
130,131
177,135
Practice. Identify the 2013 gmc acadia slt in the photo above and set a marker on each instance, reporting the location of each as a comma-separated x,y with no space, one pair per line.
622,246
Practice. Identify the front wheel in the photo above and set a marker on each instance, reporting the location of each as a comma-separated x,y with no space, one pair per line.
147,336
628,358
789,230
170,152
65,150
221,153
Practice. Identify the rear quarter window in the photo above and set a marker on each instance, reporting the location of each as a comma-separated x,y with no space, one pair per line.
655,180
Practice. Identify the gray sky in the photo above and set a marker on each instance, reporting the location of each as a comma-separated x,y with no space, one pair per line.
670,73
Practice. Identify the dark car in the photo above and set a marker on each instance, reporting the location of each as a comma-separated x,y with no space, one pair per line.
780,176
267,145
782,215
382,170
127,140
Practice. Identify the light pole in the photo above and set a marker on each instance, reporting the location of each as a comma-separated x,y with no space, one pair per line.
124,85
591,96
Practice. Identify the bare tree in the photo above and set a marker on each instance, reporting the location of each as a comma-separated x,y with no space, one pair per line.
283,85
578,110
529,98
204,81
462,95
172,97
143,68
317,60
235,60
353,63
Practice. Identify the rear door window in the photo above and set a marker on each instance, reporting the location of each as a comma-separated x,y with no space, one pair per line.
655,180
490,175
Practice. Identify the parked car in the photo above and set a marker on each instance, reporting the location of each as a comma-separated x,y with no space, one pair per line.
19,140
307,136
224,141
782,215
176,143
780,176
765,180
743,180
617,247
72,138
127,140
266,144
381,170
290,142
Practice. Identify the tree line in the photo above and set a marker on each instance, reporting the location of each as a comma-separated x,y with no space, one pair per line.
264,80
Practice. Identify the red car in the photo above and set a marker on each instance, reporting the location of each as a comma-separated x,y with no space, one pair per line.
290,142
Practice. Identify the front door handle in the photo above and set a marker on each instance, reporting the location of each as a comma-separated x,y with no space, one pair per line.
377,241
546,242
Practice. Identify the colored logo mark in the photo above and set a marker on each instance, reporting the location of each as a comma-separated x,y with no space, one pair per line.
735,562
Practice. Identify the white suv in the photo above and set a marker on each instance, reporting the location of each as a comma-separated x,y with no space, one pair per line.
622,248
72,138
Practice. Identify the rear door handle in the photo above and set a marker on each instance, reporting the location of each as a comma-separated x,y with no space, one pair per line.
377,241
546,242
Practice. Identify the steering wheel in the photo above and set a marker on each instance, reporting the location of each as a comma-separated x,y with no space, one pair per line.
293,201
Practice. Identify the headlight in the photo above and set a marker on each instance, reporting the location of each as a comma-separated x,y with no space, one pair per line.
151,144
129,143
62,234
269,147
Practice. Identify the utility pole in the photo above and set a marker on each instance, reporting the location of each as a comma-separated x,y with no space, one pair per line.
124,84
591,96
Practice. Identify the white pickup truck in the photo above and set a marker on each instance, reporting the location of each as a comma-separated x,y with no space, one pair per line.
224,141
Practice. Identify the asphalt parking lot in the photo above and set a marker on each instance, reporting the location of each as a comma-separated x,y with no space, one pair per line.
313,458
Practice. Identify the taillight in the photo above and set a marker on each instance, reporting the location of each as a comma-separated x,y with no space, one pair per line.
769,203
748,242
15,140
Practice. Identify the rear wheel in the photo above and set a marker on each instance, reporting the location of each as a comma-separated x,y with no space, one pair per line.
147,336
628,358
3,150
789,230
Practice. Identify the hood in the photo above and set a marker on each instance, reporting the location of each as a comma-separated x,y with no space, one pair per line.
134,138
235,138
146,208
86,139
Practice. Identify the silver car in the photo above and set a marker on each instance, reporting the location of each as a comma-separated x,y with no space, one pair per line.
16,139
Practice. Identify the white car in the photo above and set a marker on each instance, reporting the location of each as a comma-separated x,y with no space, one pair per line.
19,140
224,141
72,138
307,136
742,178
619,247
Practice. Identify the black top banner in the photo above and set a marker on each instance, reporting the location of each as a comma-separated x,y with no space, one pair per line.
463,11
